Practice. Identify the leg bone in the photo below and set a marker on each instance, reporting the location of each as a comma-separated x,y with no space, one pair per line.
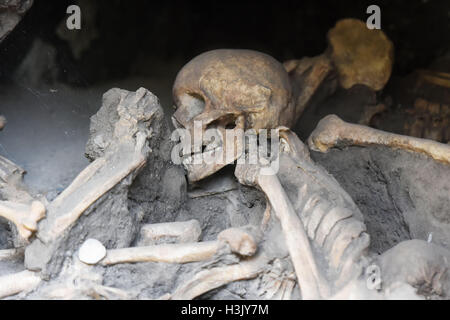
240,242
208,280
18,282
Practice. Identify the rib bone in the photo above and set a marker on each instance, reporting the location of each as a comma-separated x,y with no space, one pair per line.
25,217
332,131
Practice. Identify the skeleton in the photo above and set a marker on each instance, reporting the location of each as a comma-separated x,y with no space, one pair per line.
322,231
336,228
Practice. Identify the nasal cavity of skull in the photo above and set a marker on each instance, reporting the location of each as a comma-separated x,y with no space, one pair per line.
194,104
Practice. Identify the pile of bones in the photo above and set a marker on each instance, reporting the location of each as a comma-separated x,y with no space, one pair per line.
351,213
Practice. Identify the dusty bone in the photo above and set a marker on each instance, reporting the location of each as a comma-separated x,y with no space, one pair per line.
313,285
11,254
123,155
177,232
239,241
306,75
332,131
25,217
17,283
2,122
208,280
360,55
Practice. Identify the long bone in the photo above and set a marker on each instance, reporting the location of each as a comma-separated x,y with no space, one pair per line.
240,242
327,215
179,232
18,282
332,131
208,280
24,217
313,285
10,254
124,155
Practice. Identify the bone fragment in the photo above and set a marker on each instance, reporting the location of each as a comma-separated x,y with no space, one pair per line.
17,283
332,131
239,241
90,185
91,252
25,217
208,280
177,232
10,254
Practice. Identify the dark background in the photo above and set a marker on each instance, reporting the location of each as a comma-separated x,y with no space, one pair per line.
158,32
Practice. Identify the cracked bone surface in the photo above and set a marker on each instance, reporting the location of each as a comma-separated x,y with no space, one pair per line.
332,131
119,154
24,217
239,241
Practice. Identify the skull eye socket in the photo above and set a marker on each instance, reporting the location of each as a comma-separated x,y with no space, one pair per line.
193,103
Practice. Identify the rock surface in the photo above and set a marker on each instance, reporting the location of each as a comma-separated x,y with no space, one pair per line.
402,195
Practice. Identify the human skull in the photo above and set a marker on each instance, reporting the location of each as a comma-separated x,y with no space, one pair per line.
230,89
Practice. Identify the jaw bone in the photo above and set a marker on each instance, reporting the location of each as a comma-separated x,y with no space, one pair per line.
18,282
